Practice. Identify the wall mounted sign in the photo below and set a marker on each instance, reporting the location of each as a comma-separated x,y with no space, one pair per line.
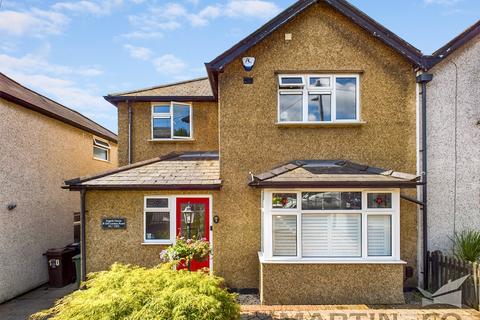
248,63
114,223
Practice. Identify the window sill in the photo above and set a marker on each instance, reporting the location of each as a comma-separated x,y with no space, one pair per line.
171,140
167,243
320,125
327,261
102,160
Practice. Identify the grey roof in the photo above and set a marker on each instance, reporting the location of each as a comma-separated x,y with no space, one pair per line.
331,173
195,90
15,92
192,170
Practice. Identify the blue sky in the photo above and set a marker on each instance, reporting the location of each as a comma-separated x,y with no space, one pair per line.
77,51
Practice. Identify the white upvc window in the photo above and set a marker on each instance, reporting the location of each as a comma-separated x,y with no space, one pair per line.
159,220
171,121
101,150
320,225
318,98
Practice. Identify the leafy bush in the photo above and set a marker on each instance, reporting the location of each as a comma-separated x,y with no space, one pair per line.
467,245
135,293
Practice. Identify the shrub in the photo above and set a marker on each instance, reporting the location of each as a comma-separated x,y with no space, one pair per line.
135,293
467,245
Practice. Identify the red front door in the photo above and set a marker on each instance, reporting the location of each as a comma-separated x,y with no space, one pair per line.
200,228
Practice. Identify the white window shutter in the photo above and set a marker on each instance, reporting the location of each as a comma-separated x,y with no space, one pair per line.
331,235
284,235
315,235
379,235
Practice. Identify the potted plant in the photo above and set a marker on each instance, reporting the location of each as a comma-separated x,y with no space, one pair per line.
184,251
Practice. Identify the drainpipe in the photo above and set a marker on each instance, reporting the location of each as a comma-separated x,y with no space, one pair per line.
129,132
423,79
83,248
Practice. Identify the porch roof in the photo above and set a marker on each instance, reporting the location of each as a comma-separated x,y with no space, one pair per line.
184,171
332,173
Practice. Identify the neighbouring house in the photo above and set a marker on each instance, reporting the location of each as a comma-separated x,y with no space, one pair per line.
297,155
42,144
453,139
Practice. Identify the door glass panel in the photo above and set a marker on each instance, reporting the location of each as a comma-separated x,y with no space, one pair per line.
198,224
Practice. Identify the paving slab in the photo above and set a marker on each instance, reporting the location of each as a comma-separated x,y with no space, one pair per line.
25,305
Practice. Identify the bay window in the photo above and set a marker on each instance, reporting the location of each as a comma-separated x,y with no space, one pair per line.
318,98
171,120
323,225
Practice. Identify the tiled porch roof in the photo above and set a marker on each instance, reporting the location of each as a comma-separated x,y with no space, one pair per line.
331,173
188,171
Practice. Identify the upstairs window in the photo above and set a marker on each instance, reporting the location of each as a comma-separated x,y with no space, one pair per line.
171,121
318,98
101,150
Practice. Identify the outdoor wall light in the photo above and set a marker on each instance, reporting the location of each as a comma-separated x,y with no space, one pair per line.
11,206
188,214
216,219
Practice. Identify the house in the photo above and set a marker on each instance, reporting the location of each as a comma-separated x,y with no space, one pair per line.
43,143
297,155
453,135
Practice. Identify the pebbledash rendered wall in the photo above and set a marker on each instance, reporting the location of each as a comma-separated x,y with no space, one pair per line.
104,247
205,132
331,283
37,154
453,146
250,140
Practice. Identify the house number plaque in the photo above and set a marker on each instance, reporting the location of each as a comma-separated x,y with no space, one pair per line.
114,223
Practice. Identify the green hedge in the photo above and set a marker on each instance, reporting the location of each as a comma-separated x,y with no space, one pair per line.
129,292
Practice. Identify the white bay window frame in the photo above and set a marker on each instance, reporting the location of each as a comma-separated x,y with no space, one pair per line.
267,224
305,89
169,115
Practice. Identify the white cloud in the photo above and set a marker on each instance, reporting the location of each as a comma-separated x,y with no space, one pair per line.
251,8
102,7
169,64
202,17
141,53
172,16
39,63
34,22
53,81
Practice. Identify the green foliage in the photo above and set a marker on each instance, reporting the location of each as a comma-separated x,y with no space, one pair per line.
135,293
186,250
467,245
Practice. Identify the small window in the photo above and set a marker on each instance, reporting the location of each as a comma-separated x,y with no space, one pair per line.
284,235
346,92
171,121
284,201
101,150
320,82
379,200
291,106
331,200
291,81
319,107
157,220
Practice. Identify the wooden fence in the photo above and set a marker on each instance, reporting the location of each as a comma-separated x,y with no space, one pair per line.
443,269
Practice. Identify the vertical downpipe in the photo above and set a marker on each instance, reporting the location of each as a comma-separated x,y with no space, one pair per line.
423,79
129,132
83,248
